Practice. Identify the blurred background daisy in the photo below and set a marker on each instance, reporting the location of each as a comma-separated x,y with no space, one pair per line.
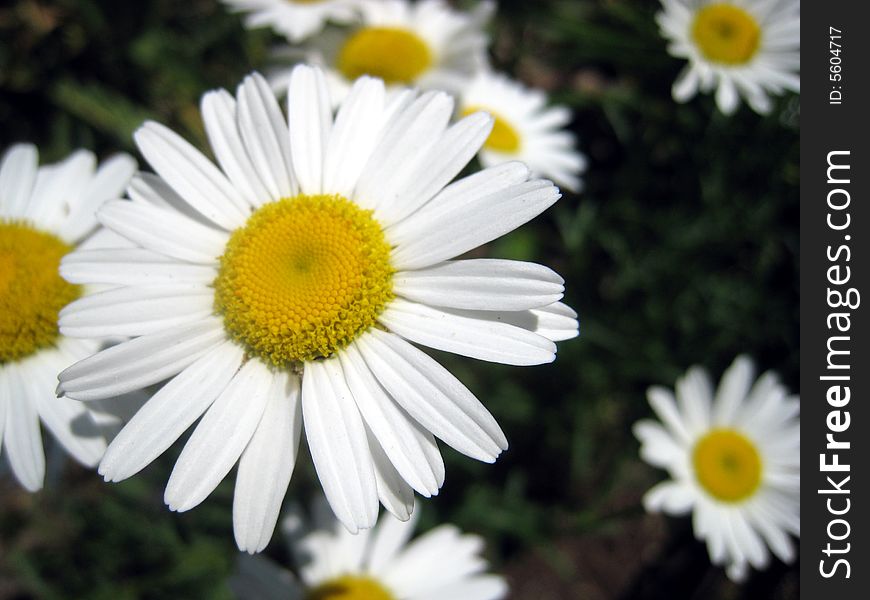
683,244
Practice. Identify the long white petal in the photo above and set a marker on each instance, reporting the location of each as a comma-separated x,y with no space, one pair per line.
388,539
170,412
447,227
219,439
732,390
58,187
266,466
17,176
338,445
460,332
264,133
437,167
107,183
482,284
356,130
136,310
218,109
432,396
309,117
393,491
22,438
140,362
164,231
131,266
192,175
69,420
390,425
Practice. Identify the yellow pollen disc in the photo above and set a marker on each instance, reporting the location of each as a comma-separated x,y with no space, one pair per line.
32,291
503,137
303,278
727,465
726,34
395,55
350,587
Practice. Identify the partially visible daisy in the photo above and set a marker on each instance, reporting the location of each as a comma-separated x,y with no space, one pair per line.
424,44
381,564
295,19
287,286
734,460
525,128
748,48
45,212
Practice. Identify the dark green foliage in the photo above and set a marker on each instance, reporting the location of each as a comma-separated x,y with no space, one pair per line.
681,250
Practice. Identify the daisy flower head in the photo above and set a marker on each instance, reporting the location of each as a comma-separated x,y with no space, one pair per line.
423,44
283,289
295,19
524,128
748,48
378,564
45,212
734,459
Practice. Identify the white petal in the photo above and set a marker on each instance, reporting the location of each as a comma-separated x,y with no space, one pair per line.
218,109
665,406
22,438
264,132
401,439
453,223
694,393
164,231
58,187
137,363
437,167
17,176
136,310
393,492
686,85
192,175
107,183
266,466
432,396
481,284
131,266
356,130
480,587
402,148
733,389
219,439
658,448
460,332
69,420
388,539
309,116
672,497
170,412
556,322
338,445
726,96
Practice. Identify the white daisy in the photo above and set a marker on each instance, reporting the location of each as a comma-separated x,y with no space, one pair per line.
423,44
734,460
44,213
525,128
748,48
285,286
295,19
442,564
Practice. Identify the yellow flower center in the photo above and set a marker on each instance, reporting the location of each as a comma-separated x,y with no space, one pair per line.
303,278
395,55
350,587
31,290
503,137
727,465
726,34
